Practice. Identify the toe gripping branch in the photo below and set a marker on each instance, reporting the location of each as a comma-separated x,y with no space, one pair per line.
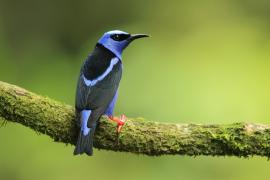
120,122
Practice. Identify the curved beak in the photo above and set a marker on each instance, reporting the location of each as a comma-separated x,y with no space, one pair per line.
137,36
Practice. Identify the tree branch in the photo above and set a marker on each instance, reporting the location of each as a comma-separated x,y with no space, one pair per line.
56,119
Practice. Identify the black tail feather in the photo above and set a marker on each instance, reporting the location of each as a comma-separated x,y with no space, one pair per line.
85,143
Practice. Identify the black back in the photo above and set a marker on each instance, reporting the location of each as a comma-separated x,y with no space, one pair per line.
98,96
97,62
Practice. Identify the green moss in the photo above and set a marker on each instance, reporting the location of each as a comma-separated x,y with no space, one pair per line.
56,119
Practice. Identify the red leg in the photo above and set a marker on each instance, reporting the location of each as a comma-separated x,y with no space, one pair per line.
120,121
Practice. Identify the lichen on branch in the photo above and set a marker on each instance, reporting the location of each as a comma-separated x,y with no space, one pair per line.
56,120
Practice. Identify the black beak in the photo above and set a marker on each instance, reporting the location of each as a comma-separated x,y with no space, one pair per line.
137,36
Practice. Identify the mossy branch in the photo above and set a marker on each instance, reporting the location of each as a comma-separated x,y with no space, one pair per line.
56,119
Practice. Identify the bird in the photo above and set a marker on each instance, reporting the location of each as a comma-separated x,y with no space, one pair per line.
97,87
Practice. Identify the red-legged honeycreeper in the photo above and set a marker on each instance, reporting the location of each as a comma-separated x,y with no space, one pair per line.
97,86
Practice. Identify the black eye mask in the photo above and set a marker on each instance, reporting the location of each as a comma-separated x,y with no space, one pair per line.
120,37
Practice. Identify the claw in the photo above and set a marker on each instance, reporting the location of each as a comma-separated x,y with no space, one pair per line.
120,122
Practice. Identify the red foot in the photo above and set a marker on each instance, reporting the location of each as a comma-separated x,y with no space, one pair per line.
120,121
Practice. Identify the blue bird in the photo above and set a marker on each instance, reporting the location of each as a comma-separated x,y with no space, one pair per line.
97,86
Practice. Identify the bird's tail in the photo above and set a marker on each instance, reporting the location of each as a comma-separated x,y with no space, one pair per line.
86,135
85,143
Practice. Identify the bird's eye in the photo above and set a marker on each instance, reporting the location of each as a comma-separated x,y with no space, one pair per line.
120,37
117,37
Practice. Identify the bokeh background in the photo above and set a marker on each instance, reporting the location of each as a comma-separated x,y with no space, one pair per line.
206,62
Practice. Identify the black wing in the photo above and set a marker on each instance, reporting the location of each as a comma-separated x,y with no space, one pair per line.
97,96
100,94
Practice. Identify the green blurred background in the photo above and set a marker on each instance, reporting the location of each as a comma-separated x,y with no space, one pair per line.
207,62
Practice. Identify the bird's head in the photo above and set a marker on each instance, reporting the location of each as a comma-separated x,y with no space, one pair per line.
116,41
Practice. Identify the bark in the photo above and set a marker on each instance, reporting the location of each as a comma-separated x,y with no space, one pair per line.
56,120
